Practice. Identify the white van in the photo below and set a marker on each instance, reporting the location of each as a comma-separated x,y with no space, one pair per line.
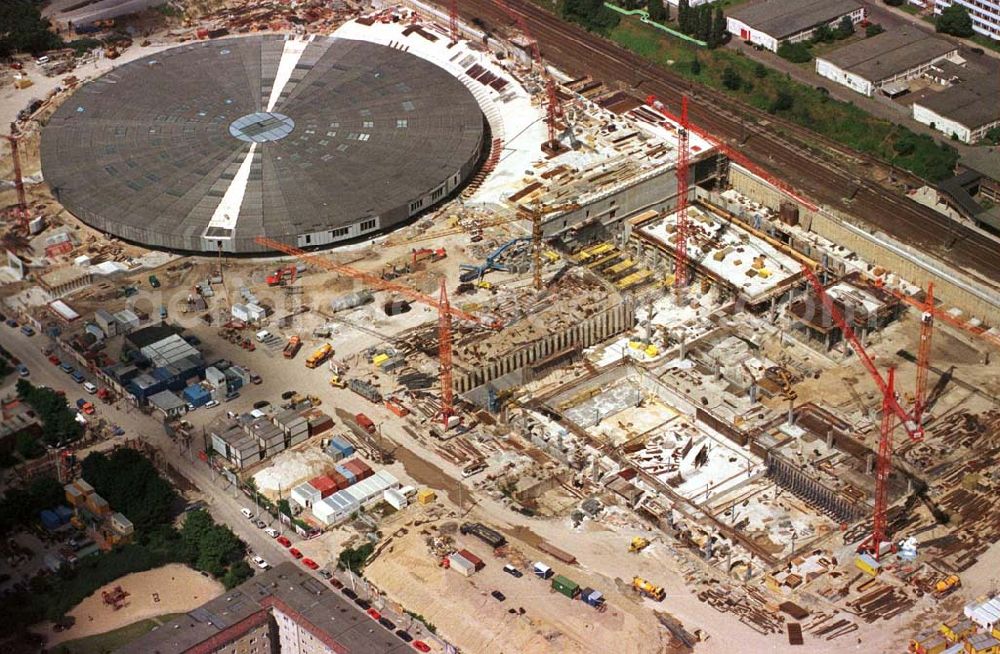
262,335
42,60
247,513
90,388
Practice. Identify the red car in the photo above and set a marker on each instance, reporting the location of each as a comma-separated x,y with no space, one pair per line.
54,360
421,645
375,615
284,541
309,563
295,553
336,583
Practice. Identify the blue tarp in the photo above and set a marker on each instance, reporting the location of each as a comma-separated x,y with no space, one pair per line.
50,520
197,395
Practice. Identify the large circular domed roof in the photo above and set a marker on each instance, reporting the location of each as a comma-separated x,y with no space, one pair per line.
309,142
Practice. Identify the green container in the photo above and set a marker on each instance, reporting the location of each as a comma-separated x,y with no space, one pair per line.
566,586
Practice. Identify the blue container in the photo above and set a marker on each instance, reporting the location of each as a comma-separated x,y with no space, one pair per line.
345,448
196,395
64,513
347,473
50,520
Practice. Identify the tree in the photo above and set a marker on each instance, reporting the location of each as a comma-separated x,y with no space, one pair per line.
59,424
823,33
684,16
845,28
22,29
760,71
131,485
354,559
731,79
798,53
873,29
719,27
658,11
704,25
237,574
592,14
695,66
955,20
783,101
993,136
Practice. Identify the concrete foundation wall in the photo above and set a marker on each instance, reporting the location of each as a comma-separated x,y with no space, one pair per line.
951,287
598,327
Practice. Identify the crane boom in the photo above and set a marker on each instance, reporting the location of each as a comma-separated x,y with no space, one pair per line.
370,279
453,21
680,238
924,355
883,466
913,428
444,354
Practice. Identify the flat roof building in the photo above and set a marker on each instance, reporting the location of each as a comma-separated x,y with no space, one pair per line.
768,23
966,111
281,610
867,66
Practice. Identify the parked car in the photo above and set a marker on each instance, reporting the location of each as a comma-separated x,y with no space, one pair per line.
23,371
295,553
27,330
261,404
404,635
89,387
67,368
260,524
211,404
349,593
117,431
85,407
261,563
284,542
336,583
154,282
375,615
11,322
271,531
387,623
363,603
512,571
325,574
54,360
78,377
309,563
247,513
498,596
421,646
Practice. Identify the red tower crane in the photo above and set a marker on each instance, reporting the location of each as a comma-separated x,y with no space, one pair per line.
680,237
446,312
553,108
924,355
891,411
453,21
444,354
22,199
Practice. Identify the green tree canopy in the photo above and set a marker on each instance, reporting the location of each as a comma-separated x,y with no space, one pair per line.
131,484
592,14
955,20
22,29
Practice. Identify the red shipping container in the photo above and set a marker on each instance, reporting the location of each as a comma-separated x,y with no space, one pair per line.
324,485
359,468
340,480
365,423
472,558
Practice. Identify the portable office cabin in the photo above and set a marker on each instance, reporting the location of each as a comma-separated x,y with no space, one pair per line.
541,570
460,564
305,495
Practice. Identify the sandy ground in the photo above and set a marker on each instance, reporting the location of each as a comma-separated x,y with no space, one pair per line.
178,588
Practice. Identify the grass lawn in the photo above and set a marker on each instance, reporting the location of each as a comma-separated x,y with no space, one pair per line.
112,640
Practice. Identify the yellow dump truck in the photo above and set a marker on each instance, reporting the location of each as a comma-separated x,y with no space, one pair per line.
324,352
647,589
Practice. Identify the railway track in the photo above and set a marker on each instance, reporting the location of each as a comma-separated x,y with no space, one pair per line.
818,167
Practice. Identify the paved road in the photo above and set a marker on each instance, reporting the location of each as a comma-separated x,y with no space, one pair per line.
223,499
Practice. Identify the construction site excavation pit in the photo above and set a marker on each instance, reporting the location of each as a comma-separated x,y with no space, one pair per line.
311,142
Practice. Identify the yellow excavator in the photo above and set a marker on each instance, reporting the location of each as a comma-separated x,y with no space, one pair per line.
638,544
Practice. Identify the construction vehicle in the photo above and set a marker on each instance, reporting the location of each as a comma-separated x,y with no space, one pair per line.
492,538
292,347
647,589
324,352
282,276
393,405
946,586
436,254
337,382
638,544
493,262
482,283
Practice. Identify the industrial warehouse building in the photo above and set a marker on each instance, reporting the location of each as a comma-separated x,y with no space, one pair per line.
885,61
770,22
966,111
